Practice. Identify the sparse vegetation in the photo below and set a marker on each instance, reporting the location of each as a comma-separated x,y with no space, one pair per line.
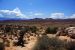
26,29
46,43
23,33
51,30
70,45
33,29
1,46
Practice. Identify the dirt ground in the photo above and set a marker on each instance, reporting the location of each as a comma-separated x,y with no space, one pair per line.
28,46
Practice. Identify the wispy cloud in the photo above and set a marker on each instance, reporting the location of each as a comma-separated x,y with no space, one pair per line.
73,16
36,14
61,16
57,16
15,13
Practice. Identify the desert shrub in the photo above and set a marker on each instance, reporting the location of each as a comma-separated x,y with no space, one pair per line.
7,29
1,46
7,43
26,29
70,45
46,43
33,29
51,30
20,39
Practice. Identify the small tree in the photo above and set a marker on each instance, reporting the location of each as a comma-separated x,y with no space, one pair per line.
7,29
51,30
33,29
26,29
20,39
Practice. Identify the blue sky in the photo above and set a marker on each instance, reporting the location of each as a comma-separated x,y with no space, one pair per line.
37,9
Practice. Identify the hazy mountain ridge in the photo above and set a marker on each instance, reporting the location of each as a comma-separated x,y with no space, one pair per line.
38,19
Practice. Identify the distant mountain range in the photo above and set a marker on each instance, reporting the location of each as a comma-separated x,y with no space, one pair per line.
40,22
36,20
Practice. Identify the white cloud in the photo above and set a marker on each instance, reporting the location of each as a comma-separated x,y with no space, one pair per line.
73,16
35,14
16,13
57,16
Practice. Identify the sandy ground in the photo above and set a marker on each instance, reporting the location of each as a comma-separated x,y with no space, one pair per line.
28,46
63,38
51,35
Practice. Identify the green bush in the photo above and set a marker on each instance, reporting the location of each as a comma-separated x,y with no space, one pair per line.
33,29
26,29
51,30
45,43
7,29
